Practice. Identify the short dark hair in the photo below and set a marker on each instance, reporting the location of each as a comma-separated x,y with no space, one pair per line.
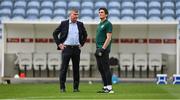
105,10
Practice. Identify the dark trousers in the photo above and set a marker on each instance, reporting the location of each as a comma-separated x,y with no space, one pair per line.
68,53
103,67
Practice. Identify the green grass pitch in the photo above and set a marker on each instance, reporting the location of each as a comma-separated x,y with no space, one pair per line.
88,91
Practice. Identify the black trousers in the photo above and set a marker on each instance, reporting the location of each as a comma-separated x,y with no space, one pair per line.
73,53
104,68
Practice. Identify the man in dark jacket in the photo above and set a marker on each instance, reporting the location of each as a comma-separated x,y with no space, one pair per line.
70,36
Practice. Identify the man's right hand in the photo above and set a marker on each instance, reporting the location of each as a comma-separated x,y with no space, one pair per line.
61,46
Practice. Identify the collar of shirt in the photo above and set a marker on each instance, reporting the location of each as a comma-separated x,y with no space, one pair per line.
70,22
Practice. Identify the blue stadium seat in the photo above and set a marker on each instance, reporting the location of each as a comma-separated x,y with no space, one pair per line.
154,14
127,4
141,4
60,4
168,5
60,12
154,4
20,4
7,4
127,14
140,14
74,4
178,14
168,14
99,4
177,5
33,4
5,14
114,4
86,12
86,18
57,18
32,13
96,13
47,4
113,18
17,17
45,14
114,12
19,12
87,4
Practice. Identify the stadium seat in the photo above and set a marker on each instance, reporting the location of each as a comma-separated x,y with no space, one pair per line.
47,4
168,14
54,62
86,12
74,4
86,18
84,63
140,63
99,4
141,4
87,5
114,63
114,4
60,4
6,4
127,14
19,12
155,62
140,14
154,4
126,62
59,12
5,12
20,4
58,18
113,18
127,4
177,3
114,12
46,14
39,62
154,14
25,61
178,14
168,4
32,13
33,4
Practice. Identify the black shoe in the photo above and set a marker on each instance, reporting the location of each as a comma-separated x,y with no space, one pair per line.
76,90
62,90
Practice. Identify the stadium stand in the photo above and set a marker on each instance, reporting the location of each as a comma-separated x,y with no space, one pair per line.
129,9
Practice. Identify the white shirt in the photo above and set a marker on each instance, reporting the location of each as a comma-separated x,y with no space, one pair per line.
73,34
